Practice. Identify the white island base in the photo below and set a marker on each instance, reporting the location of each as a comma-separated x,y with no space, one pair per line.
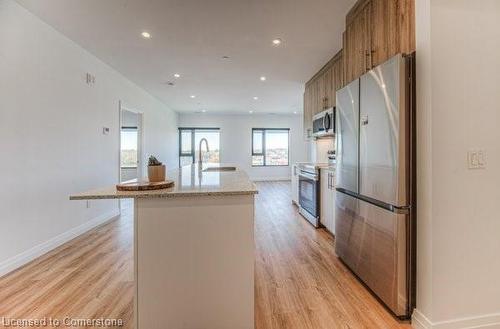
194,261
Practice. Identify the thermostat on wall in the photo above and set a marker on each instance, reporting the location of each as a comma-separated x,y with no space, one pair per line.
105,130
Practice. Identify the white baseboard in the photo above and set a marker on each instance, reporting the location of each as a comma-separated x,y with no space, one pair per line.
487,321
27,256
420,321
270,179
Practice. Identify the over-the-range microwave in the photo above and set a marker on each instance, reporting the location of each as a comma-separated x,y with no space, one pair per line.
324,123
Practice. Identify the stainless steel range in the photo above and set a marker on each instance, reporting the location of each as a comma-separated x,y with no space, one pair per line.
309,189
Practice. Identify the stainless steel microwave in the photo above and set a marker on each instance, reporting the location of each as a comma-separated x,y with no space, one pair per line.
324,123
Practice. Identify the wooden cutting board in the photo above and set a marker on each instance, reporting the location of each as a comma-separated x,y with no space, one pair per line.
144,186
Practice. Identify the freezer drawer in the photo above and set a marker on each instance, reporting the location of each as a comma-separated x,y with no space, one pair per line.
372,242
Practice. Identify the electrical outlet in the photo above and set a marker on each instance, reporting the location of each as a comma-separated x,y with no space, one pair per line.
476,159
88,204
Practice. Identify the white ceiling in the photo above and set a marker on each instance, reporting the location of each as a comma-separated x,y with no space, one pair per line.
190,37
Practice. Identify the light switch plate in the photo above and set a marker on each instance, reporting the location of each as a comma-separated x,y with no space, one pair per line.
476,159
90,79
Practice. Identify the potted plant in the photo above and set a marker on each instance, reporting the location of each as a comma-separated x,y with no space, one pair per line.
156,170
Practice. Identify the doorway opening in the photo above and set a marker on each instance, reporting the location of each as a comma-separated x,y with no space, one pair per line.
131,158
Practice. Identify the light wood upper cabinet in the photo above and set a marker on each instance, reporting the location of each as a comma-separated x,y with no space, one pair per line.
377,30
392,29
357,43
384,40
327,88
337,73
319,93
406,24
307,112
321,98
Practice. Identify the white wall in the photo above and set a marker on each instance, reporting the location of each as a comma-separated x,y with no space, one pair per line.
236,139
51,135
458,46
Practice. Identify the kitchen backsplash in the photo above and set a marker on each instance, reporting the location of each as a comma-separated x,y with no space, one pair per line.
319,149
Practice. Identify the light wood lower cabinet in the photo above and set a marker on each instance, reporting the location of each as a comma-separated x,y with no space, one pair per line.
327,197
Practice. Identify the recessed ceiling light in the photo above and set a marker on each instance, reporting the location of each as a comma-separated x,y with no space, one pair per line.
250,111
255,97
203,111
193,96
177,75
277,42
146,35
262,78
294,112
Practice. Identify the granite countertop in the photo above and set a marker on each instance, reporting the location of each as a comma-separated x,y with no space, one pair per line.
189,181
318,165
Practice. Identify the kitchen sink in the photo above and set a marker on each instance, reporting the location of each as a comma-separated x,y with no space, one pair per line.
220,169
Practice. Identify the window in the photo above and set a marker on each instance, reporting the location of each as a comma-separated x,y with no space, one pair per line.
128,147
189,141
270,146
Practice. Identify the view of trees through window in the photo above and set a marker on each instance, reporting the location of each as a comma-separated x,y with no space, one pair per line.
189,141
128,148
270,147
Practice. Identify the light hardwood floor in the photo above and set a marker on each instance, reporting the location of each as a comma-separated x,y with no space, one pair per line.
300,283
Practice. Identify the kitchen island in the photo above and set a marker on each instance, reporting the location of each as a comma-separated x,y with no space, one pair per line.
193,249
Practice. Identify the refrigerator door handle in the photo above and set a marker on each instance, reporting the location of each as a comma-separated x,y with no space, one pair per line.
386,206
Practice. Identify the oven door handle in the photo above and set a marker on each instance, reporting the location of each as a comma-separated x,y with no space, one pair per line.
308,176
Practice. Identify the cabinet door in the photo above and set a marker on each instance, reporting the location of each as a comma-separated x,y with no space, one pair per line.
307,112
392,29
338,76
358,45
406,25
327,216
323,217
328,88
321,93
384,31
332,230
317,96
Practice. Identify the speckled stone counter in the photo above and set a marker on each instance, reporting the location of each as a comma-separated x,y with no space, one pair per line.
189,181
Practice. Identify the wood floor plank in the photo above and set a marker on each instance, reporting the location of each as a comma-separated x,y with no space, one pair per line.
299,281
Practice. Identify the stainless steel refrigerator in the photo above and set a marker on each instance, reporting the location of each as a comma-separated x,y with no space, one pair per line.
375,175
